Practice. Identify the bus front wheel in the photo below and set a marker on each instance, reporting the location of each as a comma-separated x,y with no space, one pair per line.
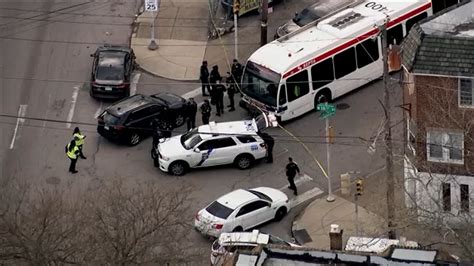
321,97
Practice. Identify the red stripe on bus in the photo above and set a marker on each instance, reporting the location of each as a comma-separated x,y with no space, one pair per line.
360,38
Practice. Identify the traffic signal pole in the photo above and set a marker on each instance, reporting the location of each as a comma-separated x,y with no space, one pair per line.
330,197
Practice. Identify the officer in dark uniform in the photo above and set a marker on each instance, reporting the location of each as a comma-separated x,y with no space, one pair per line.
204,77
269,143
291,170
205,112
218,92
231,90
191,108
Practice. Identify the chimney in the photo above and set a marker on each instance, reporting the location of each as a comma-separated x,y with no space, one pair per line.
335,237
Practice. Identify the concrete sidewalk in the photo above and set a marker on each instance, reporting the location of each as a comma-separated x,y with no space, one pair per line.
311,227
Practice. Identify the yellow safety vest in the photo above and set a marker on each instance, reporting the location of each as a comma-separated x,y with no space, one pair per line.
72,154
80,140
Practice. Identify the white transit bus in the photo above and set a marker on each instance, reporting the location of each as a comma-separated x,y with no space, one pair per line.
327,58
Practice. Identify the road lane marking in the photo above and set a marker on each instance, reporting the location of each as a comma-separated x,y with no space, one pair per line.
192,94
19,120
46,114
99,110
75,93
133,84
305,196
300,179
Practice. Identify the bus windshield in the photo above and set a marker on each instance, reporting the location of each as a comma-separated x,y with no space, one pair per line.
261,84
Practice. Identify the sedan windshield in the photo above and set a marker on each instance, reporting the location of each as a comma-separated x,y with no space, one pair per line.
190,139
219,210
261,84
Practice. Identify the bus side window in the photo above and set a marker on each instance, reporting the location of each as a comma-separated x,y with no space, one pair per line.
409,24
367,52
345,63
322,73
395,35
282,95
297,85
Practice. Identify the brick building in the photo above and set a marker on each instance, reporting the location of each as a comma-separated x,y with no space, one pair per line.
438,76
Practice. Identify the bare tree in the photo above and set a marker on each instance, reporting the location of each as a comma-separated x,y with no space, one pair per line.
114,224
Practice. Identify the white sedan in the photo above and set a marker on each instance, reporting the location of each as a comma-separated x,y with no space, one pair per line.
241,210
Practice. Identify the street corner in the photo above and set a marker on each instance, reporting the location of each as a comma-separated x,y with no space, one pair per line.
174,59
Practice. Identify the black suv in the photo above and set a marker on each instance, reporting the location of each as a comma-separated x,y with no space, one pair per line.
133,118
111,72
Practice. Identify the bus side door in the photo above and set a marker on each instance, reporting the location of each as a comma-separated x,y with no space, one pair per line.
299,97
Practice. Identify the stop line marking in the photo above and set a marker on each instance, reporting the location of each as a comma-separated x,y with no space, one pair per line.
19,120
70,115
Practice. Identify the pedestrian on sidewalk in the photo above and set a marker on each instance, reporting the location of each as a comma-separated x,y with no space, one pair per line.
205,112
215,75
218,93
72,152
269,143
291,170
80,141
231,89
191,109
204,77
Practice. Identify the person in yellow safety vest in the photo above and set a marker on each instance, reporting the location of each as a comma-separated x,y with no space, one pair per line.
80,141
72,151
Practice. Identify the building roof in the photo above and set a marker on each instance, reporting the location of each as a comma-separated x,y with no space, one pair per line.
443,44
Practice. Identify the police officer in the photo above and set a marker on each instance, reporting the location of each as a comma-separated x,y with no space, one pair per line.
206,112
80,141
191,109
204,77
72,152
218,92
231,89
269,143
236,71
291,170
215,75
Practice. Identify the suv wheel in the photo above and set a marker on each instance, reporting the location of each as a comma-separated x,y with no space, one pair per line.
244,161
178,168
179,120
134,139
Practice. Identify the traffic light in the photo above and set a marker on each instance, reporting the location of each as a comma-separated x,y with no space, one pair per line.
359,187
236,6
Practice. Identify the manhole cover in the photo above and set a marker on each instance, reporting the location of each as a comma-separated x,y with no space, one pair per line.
342,106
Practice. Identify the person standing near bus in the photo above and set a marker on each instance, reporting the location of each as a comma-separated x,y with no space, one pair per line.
204,77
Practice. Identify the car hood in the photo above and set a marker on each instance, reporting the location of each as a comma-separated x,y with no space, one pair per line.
274,194
172,147
108,82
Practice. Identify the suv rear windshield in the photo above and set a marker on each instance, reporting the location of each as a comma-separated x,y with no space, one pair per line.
219,210
110,119
111,66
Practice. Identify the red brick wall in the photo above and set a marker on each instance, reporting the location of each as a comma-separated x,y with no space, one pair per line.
435,105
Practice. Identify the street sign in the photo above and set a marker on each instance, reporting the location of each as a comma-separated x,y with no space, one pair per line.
151,5
327,110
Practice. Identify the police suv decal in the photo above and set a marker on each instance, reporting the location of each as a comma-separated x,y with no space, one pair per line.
204,157
254,147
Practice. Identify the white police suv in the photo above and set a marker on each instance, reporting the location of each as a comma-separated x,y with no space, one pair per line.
223,143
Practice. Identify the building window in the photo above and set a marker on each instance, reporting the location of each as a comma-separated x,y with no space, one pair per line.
466,90
464,198
446,187
445,147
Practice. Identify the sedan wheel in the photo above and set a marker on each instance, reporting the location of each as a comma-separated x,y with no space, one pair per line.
280,214
134,139
179,121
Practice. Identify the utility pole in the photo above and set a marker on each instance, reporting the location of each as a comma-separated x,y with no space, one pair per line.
236,36
264,24
388,140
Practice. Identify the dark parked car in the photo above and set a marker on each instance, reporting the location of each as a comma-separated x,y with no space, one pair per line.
111,72
132,119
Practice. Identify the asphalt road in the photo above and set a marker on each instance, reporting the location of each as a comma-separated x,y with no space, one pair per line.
45,64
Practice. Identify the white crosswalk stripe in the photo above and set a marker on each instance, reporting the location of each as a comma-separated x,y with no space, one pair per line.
301,198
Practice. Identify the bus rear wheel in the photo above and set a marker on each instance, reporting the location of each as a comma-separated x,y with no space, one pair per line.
321,97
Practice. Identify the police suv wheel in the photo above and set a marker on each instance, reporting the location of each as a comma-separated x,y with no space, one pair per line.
179,120
177,168
244,161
